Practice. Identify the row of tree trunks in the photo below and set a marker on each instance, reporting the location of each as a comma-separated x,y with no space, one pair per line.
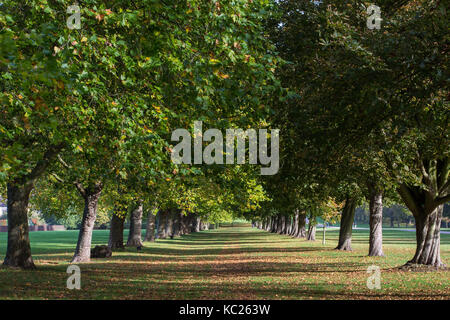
173,223
167,223
292,226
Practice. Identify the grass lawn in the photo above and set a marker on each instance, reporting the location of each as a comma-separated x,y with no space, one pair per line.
226,263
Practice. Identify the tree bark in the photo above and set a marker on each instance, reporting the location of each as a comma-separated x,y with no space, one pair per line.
294,229
311,236
197,224
169,223
427,206
301,233
162,221
375,222
83,249
284,224
345,231
177,223
18,252
280,224
288,225
274,224
116,231
135,234
150,233
428,229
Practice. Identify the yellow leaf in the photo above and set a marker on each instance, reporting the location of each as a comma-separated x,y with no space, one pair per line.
223,76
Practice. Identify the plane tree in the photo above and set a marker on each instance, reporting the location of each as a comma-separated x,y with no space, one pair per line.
363,102
88,92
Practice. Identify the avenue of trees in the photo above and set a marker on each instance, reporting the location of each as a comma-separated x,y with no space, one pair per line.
87,116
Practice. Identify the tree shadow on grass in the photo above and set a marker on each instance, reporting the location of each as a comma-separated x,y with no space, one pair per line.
193,281
171,254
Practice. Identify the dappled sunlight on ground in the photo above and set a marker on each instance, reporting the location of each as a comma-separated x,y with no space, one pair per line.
228,263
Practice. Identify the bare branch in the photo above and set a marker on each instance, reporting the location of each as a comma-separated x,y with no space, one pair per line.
63,162
80,188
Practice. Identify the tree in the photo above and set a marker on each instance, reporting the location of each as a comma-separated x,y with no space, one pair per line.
84,96
33,127
362,102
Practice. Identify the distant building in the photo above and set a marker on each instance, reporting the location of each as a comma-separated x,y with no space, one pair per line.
33,223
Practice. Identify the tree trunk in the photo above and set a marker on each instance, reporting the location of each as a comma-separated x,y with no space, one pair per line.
162,221
135,234
18,252
192,223
83,249
426,205
301,233
376,221
428,239
288,225
169,223
189,221
345,231
116,231
274,225
197,224
311,236
280,224
294,228
177,223
150,234
277,224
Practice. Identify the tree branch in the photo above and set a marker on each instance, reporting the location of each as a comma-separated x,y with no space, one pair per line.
43,164
442,200
63,162
409,200
80,189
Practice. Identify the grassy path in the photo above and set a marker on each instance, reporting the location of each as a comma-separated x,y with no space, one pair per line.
227,263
